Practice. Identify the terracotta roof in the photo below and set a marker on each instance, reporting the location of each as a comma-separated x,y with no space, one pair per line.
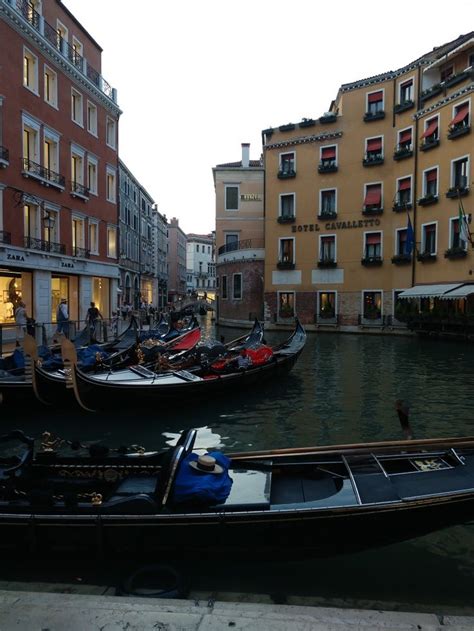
238,165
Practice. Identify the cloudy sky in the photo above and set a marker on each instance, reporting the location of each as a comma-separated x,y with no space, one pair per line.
196,78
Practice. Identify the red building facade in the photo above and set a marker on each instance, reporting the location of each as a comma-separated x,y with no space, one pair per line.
59,159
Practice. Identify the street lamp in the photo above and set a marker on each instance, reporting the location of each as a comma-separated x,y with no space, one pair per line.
48,223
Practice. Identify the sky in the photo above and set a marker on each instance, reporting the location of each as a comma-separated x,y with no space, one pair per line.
196,78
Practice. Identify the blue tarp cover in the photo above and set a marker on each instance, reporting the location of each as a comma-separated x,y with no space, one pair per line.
202,488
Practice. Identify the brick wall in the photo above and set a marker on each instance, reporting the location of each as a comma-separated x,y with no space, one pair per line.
251,304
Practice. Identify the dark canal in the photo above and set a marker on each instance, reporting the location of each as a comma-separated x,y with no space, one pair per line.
342,389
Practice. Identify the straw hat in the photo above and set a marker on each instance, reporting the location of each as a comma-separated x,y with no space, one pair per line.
206,464
63,299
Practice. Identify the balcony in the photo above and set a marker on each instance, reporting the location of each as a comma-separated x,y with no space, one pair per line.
5,237
327,263
329,118
373,116
79,190
455,253
4,157
403,107
81,253
430,93
372,210
458,130
327,167
286,219
372,261
284,174
426,257
455,79
457,191
288,127
403,152
45,176
400,207
51,36
307,122
401,259
246,244
372,159
327,214
285,265
44,246
429,143
427,200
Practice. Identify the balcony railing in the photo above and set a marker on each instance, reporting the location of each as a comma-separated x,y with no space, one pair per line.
33,169
5,237
429,143
372,261
458,130
327,263
402,152
399,207
403,107
372,159
427,200
457,191
246,244
4,154
51,35
328,166
286,219
455,253
44,246
431,92
401,259
372,210
81,253
327,214
285,265
284,174
79,190
374,116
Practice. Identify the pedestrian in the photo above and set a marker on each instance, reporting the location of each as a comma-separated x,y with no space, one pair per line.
20,321
62,318
114,322
92,318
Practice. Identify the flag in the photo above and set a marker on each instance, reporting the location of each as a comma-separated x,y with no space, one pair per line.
464,236
410,241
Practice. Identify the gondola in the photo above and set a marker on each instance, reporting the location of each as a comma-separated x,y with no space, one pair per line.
139,386
284,503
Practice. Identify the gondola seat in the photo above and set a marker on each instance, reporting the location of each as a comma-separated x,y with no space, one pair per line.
250,491
136,504
137,484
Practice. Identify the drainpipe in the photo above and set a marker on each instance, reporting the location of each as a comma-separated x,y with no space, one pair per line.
415,182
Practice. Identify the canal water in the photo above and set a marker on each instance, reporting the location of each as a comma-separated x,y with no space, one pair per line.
342,389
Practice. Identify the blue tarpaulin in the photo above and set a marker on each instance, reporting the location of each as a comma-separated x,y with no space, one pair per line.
202,488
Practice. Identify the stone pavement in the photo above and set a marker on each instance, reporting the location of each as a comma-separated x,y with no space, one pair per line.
40,611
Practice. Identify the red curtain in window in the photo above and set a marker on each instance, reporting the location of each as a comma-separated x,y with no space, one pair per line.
405,136
430,228
373,195
463,111
328,153
375,144
404,185
327,240
430,130
373,239
431,176
456,226
375,97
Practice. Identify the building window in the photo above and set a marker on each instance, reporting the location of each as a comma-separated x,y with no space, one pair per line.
231,242
461,118
287,165
430,183
224,287
111,242
77,172
460,174
327,248
406,92
327,304
30,71
91,118
327,203
51,154
286,304
31,221
431,134
76,107
375,102
93,237
50,87
328,157
231,197
374,152
31,146
401,242
428,238
405,140
455,240
373,197
237,286
373,245
111,134
77,53
78,237
287,206
447,72
92,175
372,305
111,185
404,192
62,36
286,251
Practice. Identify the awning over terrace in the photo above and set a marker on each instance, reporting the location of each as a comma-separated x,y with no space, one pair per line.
430,291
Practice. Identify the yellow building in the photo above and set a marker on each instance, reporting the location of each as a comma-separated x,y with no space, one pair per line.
341,190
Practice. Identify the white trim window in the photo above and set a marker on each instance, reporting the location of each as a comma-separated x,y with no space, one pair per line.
77,171
327,305
286,304
430,182
455,240
77,102
111,132
373,149
50,87
31,144
461,119
30,71
78,235
460,174
92,178
287,206
92,118
51,154
112,242
77,53
287,166
31,222
430,135
373,246
232,240
375,102
405,140
93,236
231,197
328,202
429,238
237,286
286,251
372,304
327,158
401,236
111,184
406,91
404,188
327,248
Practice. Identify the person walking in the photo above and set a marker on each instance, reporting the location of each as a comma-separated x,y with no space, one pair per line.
62,318
20,321
92,318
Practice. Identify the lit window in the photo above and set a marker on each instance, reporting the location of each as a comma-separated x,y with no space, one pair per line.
111,242
111,193
111,139
92,176
91,118
327,248
286,254
30,71
372,305
93,237
286,304
76,107
50,87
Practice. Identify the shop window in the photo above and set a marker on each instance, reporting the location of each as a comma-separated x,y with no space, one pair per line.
286,304
372,305
327,305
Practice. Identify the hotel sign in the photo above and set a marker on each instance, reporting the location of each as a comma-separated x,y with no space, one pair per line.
336,225
250,197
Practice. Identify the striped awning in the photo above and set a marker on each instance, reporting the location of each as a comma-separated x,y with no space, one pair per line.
429,291
460,292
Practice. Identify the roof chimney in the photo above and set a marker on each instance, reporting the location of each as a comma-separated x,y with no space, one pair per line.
245,155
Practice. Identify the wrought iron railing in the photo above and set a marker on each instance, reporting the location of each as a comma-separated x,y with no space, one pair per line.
37,170
44,246
54,38
79,189
5,237
246,244
80,252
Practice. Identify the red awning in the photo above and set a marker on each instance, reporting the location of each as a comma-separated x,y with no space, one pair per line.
328,153
463,111
404,185
375,97
405,136
432,176
373,196
375,144
373,238
431,129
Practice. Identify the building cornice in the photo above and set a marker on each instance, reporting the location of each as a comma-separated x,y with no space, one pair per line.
439,104
304,140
